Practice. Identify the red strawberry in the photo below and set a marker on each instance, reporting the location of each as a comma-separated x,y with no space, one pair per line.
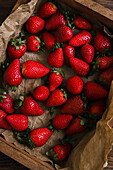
33,43
59,152
63,33
103,63
6,103
49,40
3,122
69,52
77,126
30,107
94,91
33,70
97,108
47,10
56,58
41,93
16,49
12,75
55,21
18,121
87,52
57,98
55,80
106,77
101,41
82,23
40,136
35,25
61,121
75,105
80,39
79,66
75,85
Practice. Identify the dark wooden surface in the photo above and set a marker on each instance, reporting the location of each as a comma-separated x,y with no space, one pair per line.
7,163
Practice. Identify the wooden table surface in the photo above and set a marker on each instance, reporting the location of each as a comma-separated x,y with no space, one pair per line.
7,163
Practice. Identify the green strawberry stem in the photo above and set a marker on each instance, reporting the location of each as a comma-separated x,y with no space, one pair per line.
56,46
19,100
68,139
13,88
17,42
50,125
57,72
51,109
2,97
65,93
52,155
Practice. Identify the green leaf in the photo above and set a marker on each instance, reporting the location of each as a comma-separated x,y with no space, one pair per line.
17,48
98,61
82,122
4,97
84,106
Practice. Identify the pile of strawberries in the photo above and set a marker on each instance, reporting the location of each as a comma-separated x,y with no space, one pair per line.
83,104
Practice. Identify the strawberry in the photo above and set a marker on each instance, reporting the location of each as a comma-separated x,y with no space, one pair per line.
63,33
106,77
33,43
18,121
57,98
47,10
6,103
55,21
40,136
55,79
41,93
16,49
79,66
49,40
87,52
82,23
101,41
34,25
56,58
94,91
75,105
97,107
3,122
61,121
59,152
69,52
34,70
80,39
12,75
30,107
77,126
75,85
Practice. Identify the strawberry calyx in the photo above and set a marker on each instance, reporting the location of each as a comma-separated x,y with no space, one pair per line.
51,109
69,19
2,97
65,93
50,126
17,42
56,46
57,72
55,7
68,139
19,100
52,155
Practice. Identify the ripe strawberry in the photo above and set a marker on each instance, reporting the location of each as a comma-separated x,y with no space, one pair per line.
34,70
87,52
75,85
69,52
101,41
49,40
61,121
41,93
82,23
97,108
35,25
77,126
16,49
57,98
56,58
63,33
75,105
94,91
55,21
6,103
18,121
47,10
80,39
12,75
30,107
59,152
40,136
55,80
3,122
33,43
79,66
106,77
